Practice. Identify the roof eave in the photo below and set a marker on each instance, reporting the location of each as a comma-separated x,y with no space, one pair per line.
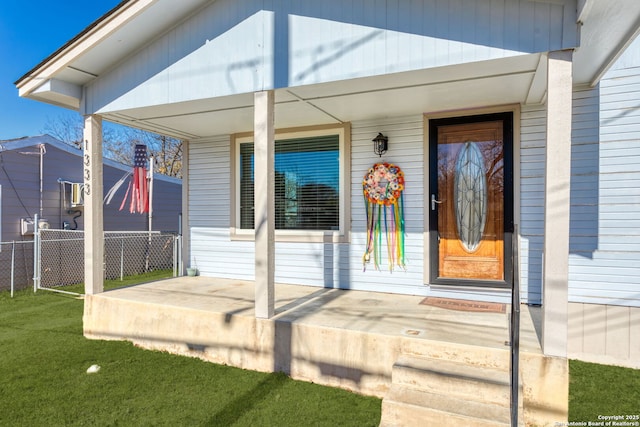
85,40
615,54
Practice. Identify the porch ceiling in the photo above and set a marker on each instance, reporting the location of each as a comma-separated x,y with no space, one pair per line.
606,30
503,81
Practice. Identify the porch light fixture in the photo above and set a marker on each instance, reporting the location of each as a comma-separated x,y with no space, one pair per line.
380,144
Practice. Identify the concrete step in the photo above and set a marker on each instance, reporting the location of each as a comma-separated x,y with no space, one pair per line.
471,382
406,406
497,357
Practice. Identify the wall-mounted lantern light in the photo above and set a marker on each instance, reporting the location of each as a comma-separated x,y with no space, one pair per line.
380,144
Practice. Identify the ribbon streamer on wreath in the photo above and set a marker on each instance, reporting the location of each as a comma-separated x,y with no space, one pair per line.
382,186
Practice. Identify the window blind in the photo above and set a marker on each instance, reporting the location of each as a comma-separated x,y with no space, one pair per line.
307,182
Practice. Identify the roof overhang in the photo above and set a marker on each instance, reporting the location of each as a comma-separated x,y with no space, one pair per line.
606,30
98,48
513,80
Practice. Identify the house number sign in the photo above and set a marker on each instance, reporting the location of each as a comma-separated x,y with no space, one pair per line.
87,169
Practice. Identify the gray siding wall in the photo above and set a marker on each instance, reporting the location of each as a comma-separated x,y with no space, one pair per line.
234,47
19,177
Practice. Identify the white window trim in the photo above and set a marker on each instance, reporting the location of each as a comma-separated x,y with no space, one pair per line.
329,236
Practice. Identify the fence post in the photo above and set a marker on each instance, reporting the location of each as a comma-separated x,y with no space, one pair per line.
36,252
179,245
175,252
13,265
179,255
121,259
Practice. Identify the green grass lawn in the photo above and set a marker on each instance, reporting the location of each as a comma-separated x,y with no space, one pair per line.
602,390
43,380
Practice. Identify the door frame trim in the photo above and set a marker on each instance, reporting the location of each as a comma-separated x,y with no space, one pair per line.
512,201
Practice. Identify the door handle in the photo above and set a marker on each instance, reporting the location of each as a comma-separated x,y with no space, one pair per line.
434,201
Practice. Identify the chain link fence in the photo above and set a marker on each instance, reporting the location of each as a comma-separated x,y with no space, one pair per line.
16,265
61,261
58,259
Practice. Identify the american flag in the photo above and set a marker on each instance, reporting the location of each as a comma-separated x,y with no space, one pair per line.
138,185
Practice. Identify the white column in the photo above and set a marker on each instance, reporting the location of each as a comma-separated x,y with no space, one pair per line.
264,194
557,204
186,231
93,210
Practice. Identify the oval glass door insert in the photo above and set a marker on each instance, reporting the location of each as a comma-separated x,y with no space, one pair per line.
470,196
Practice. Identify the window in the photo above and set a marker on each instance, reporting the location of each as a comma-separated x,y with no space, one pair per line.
309,183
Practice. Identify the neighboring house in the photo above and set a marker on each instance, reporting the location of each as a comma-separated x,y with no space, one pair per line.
62,166
37,177
508,115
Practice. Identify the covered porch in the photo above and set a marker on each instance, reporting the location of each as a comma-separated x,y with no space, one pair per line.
358,340
302,69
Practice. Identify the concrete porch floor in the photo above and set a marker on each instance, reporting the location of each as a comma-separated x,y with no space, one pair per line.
343,338
373,312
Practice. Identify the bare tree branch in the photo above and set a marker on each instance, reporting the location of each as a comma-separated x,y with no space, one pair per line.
119,142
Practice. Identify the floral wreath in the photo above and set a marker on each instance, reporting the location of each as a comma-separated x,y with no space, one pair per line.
383,184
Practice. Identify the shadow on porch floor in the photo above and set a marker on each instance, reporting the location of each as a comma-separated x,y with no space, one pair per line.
373,312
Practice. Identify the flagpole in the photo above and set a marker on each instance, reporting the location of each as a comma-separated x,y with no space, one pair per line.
150,215
151,168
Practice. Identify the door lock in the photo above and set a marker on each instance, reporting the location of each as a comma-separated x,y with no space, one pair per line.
434,201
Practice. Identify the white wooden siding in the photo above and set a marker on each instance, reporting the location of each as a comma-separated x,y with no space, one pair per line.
225,48
316,264
533,135
605,195
234,47
604,334
630,58
340,265
605,218
406,149
209,214
209,182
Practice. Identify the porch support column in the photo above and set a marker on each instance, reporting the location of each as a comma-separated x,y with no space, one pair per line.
555,280
184,225
264,195
93,210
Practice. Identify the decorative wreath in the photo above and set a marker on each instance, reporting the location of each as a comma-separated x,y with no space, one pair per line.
383,184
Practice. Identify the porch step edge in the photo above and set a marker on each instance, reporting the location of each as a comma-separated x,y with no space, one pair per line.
407,406
472,382
494,357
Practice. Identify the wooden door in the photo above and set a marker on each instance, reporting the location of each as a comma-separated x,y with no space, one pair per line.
469,174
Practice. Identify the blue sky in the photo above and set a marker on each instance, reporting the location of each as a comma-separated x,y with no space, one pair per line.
29,32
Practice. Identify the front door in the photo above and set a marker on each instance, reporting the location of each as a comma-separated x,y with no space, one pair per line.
470,200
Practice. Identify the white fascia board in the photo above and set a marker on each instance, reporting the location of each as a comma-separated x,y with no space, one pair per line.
616,52
76,48
538,87
583,9
61,92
